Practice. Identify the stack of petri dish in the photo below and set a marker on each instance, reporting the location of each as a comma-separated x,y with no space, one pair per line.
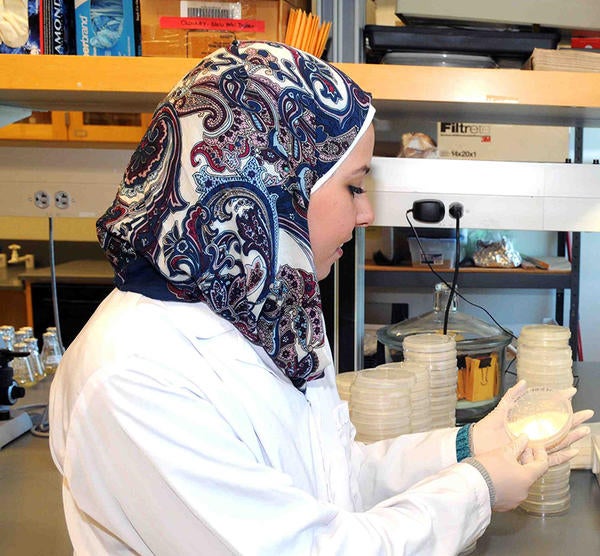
437,352
550,495
344,382
544,357
380,404
417,382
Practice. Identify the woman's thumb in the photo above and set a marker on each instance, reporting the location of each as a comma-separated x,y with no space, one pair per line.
538,464
518,445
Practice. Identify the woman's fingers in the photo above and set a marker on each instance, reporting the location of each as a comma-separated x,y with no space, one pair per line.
581,417
573,436
562,456
512,394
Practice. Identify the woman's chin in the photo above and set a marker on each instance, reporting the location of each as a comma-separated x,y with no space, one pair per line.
323,273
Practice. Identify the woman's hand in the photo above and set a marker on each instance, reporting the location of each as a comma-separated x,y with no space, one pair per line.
513,468
563,451
490,433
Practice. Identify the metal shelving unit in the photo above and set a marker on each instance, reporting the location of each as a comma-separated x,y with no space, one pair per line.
568,196
389,276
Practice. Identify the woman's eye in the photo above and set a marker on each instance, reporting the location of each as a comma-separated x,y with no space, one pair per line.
356,190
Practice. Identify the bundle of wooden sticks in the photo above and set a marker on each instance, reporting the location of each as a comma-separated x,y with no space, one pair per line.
306,32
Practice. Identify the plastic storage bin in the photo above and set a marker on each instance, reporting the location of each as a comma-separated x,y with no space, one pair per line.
440,252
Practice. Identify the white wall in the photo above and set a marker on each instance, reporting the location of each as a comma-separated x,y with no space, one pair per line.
589,306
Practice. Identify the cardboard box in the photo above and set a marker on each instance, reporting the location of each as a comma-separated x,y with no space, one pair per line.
107,34
518,143
266,19
58,27
30,41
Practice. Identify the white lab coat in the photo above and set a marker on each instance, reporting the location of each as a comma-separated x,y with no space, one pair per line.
175,436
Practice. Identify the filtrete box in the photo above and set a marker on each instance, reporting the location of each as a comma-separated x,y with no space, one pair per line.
517,143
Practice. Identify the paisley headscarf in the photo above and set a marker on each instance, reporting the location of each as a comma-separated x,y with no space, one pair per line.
213,205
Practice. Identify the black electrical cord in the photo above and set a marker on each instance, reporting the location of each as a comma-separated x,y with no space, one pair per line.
53,282
454,276
441,278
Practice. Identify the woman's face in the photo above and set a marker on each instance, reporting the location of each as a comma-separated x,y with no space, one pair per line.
340,205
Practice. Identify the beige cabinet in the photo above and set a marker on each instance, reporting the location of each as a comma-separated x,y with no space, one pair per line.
77,127
106,127
40,126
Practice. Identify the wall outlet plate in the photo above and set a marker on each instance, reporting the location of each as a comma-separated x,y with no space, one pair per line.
62,200
41,199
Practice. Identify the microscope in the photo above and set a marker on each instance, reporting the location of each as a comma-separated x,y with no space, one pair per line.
13,423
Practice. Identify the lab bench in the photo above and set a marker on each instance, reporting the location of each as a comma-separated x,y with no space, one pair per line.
80,284
85,271
25,295
32,522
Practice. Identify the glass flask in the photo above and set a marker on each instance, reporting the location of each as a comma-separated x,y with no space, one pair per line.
7,336
480,348
51,353
20,336
22,371
27,331
35,358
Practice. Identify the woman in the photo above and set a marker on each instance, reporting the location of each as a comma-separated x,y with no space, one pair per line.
196,413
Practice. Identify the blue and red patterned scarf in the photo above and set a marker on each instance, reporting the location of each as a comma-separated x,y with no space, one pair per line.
213,205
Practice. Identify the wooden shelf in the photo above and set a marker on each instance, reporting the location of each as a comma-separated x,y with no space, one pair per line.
509,96
86,83
123,84
469,277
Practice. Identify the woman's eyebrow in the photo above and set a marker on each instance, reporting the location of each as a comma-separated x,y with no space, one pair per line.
363,170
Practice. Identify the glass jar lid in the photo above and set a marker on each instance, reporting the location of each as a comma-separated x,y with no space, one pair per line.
471,334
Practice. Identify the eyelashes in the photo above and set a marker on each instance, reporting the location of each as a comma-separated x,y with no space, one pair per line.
356,190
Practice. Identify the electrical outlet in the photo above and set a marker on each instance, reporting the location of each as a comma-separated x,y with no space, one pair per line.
41,199
62,199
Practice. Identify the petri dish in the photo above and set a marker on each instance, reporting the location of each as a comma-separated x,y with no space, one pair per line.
542,414
544,335
429,343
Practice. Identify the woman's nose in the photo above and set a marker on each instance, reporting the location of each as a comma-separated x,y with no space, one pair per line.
365,214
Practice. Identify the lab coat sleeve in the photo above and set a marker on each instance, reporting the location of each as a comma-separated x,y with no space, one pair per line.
390,466
159,467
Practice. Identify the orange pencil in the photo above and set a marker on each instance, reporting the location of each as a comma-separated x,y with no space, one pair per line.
290,26
324,37
299,29
313,35
307,30
319,40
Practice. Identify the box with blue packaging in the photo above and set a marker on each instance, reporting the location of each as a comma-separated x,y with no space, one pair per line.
20,27
107,27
